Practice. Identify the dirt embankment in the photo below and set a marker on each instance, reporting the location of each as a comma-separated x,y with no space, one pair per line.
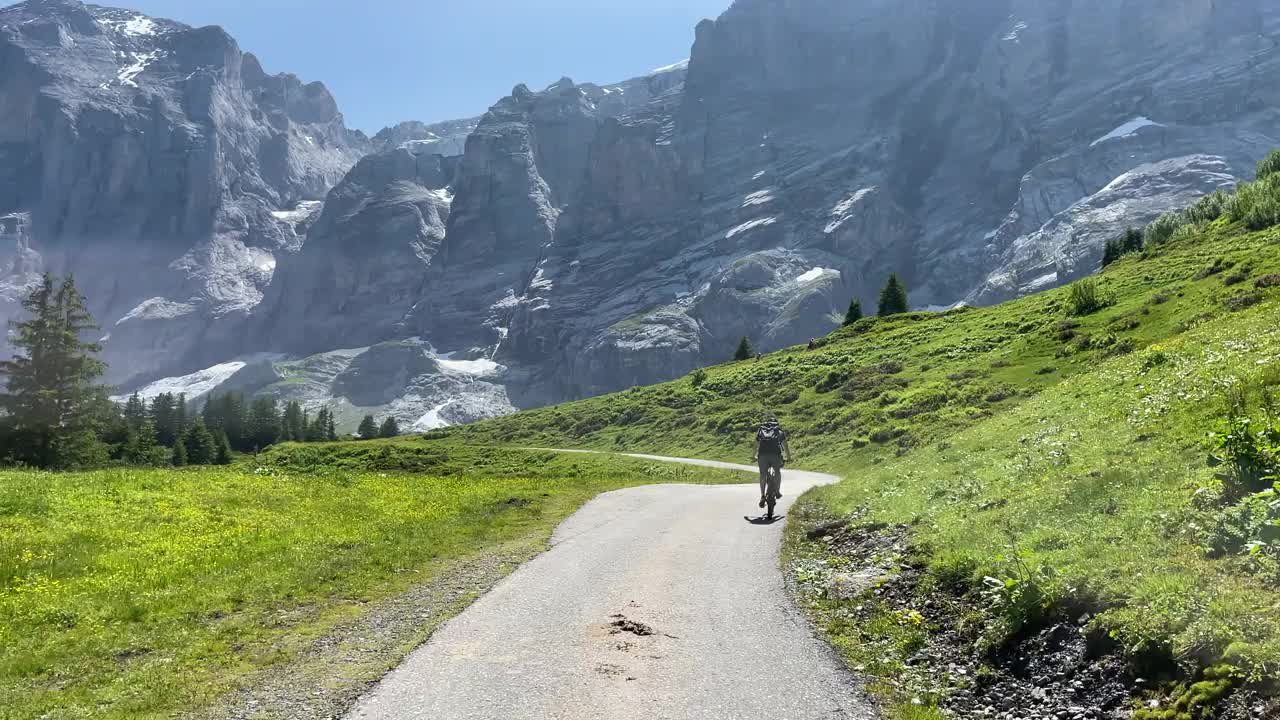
918,644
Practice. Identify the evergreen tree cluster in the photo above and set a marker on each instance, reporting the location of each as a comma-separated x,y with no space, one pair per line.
1130,242
253,424
370,428
56,415
166,431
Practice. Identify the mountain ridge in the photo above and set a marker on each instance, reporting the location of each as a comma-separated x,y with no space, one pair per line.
586,238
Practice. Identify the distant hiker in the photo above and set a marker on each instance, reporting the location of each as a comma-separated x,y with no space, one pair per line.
759,356
771,447
813,344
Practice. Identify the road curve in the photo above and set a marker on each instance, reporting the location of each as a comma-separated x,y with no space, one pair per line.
653,602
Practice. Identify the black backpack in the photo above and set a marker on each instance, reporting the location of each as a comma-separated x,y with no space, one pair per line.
770,437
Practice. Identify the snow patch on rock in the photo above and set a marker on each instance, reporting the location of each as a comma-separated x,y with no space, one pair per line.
478,368
195,385
140,26
1126,130
815,274
306,210
674,67
749,226
141,61
762,197
843,209
432,420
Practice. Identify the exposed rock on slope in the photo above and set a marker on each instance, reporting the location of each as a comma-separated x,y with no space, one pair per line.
589,237
150,157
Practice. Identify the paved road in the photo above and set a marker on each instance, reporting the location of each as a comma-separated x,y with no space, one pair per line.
679,561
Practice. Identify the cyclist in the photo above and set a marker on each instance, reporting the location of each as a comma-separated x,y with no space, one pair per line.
771,447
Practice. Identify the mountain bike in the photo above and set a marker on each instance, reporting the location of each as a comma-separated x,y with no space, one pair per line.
773,491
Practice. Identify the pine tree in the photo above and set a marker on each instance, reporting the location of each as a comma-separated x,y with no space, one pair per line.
200,444
163,418
179,454
390,428
1133,240
330,428
50,380
893,299
295,423
222,455
1111,252
135,412
744,351
211,413
262,427
854,314
318,429
368,428
181,416
231,409
143,448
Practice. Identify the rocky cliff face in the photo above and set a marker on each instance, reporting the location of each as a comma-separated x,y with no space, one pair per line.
149,158
584,238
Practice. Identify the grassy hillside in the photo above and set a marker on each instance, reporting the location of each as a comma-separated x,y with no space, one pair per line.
1047,454
139,593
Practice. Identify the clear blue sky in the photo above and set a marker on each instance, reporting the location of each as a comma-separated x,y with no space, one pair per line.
393,60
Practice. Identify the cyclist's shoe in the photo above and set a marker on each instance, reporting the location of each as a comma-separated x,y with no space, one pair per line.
778,494
763,501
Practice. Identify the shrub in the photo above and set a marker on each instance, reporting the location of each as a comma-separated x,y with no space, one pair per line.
1155,356
1184,232
1270,165
1218,267
833,380
1256,204
881,437
1236,277
1240,301
1121,324
698,377
1086,298
1066,329
1122,347
1268,281
1002,393
1162,229
1208,208
1250,454
1264,214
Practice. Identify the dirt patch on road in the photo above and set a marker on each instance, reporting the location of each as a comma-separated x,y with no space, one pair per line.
621,624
